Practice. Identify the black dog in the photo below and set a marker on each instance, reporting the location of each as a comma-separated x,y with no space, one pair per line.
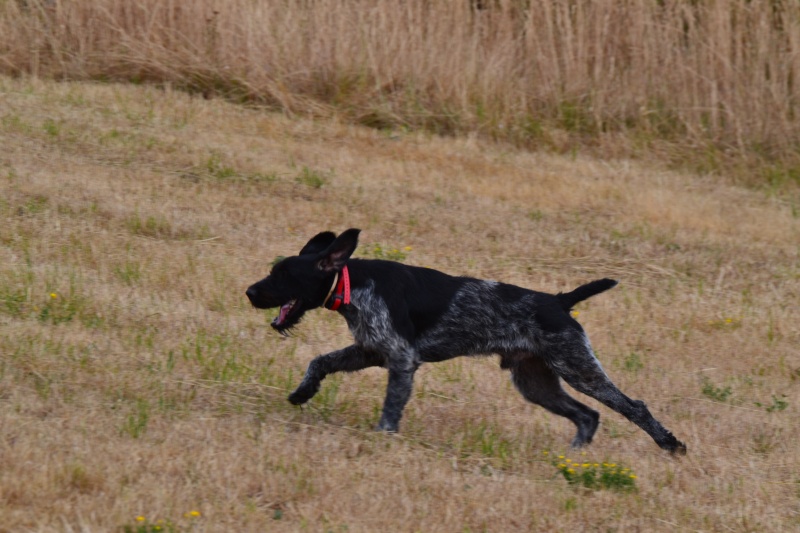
402,316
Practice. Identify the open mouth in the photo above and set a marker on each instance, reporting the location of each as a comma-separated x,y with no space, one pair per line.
285,313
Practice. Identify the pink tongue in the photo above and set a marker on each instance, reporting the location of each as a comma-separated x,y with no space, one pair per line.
285,308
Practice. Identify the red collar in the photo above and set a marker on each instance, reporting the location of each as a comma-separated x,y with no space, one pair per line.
340,291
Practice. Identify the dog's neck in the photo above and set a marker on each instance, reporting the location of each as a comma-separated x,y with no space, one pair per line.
340,291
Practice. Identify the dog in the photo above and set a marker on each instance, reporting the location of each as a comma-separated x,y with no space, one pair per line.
402,316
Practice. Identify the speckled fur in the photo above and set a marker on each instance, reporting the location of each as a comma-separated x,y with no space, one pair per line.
402,316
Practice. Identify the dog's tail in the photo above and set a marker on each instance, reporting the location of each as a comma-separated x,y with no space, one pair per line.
569,299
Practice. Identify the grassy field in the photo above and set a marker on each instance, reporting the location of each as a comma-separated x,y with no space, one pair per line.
699,84
139,391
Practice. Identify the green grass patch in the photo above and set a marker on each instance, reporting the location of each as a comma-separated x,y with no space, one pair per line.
136,422
141,524
24,295
156,227
219,358
718,394
217,169
778,404
380,251
595,475
484,441
633,362
312,178
129,272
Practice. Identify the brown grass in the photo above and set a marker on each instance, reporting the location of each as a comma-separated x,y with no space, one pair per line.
714,82
135,380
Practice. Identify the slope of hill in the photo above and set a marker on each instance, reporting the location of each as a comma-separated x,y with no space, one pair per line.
139,390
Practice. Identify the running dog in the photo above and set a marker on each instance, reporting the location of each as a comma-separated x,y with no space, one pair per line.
402,316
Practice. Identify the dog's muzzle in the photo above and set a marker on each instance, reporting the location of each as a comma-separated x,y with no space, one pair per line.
251,294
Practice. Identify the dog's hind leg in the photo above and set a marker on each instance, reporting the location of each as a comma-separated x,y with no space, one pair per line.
576,364
348,359
540,385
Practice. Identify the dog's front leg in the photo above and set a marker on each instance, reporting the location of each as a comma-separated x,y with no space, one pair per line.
398,391
348,359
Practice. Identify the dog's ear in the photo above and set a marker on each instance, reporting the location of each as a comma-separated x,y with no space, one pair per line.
318,243
337,254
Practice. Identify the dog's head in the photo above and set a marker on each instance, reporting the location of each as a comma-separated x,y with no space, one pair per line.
299,283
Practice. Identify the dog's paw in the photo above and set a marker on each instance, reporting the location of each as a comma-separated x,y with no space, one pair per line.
300,396
579,442
673,445
679,449
386,427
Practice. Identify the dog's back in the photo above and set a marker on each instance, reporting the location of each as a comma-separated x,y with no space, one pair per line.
448,316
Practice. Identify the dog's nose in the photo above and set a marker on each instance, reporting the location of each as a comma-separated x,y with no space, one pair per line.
251,294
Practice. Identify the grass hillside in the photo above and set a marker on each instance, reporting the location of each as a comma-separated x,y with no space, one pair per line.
702,85
140,392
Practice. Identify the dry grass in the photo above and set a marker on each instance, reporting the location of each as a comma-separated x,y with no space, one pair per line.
714,82
136,381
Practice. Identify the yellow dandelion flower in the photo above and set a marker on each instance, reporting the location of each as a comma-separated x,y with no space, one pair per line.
140,518
194,514
575,314
545,453
612,465
632,476
596,465
568,460
53,295
407,248
586,465
571,471
560,456
728,320
562,465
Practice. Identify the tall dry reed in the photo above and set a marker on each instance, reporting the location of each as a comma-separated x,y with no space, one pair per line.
715,74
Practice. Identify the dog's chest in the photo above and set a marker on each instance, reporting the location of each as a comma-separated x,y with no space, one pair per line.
370,322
